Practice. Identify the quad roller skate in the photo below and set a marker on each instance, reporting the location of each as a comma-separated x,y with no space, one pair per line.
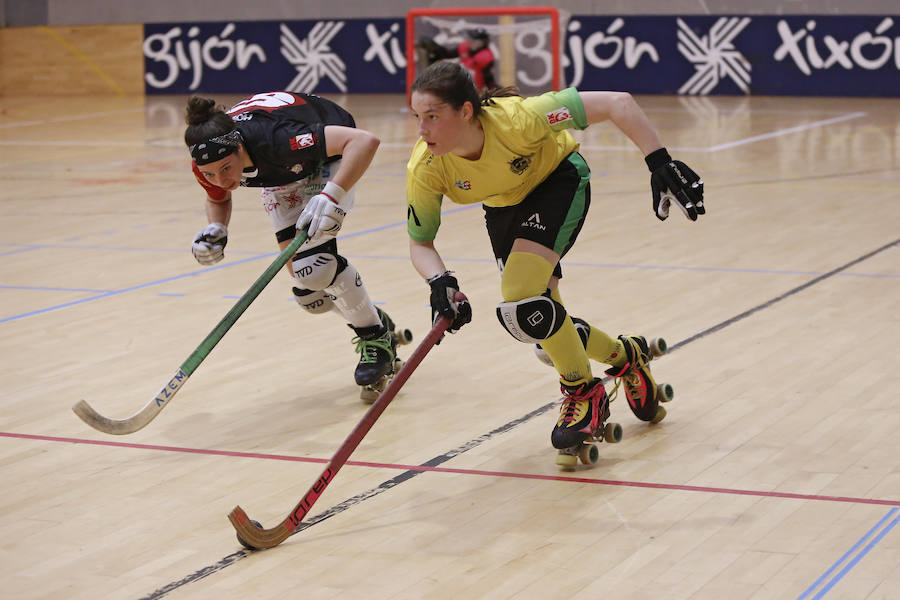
641,390
378,361
582,421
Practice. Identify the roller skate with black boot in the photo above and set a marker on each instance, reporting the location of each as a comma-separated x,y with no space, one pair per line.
378,361
641,390
582,421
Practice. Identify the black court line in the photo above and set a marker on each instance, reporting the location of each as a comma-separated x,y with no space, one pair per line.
442,458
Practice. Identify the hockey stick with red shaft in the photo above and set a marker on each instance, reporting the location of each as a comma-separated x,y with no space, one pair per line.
253,536
139,419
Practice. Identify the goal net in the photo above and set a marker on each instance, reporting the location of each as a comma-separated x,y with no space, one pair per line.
526,42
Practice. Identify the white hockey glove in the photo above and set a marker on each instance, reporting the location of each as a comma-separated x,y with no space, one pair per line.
209,244
323,213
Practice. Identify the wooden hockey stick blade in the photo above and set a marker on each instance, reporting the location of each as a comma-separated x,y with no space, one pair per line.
139,419
260,538
149,412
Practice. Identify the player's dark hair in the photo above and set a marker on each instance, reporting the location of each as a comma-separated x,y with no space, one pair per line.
449,82
205,120
479,33
500,92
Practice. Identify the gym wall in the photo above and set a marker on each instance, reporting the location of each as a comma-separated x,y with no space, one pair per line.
65,47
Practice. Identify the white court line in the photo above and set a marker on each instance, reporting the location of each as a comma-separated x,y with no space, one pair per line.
71,118
744,141
716,148
787,131
61,143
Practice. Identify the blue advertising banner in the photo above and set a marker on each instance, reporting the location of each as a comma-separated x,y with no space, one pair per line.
355,56
697,55
766,55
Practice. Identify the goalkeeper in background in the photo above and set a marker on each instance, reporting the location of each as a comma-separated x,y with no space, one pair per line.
474,53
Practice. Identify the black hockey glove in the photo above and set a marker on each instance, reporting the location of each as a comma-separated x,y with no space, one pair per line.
443,289
674,181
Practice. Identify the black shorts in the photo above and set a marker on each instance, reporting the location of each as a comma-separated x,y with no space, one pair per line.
551,215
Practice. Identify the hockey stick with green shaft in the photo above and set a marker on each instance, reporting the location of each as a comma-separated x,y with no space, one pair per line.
139,419
253,536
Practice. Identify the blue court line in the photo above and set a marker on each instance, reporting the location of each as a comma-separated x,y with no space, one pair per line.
855,560
567,264
365,232
18,250
128,289
191,274
30,247
51,289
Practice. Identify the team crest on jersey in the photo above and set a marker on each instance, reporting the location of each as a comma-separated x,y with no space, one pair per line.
560,115
303,141
463,185
519,164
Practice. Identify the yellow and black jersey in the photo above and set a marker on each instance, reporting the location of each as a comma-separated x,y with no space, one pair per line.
525,139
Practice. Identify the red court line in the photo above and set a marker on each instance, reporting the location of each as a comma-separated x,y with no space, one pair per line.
400,467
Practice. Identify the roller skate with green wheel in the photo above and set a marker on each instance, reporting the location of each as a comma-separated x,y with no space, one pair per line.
378,361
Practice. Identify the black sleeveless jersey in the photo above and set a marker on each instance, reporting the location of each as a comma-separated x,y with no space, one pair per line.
284,134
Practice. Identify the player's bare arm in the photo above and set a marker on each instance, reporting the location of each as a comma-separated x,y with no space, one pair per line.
219,211
425,259
624,112
358,148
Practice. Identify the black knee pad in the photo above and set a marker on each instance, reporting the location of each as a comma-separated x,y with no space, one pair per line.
532,320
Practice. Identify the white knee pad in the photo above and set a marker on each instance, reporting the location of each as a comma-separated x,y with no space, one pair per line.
531,320
352,299
315,271
313,301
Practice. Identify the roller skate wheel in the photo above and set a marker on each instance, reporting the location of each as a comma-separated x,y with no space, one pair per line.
589,454
612,433
665,392
368,394
659,416
404,336
566,461
658,346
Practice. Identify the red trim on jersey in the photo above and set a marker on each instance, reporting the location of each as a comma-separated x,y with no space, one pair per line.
213,191
268,101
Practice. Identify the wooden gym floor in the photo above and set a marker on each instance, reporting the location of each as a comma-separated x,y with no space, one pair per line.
775,474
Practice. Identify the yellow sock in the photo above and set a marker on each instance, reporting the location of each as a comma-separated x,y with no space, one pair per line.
565,350
526,275
600,346
603,348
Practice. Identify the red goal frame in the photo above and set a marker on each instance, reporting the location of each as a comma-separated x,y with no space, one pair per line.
550,11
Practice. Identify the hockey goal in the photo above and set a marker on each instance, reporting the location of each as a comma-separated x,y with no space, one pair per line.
526,41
